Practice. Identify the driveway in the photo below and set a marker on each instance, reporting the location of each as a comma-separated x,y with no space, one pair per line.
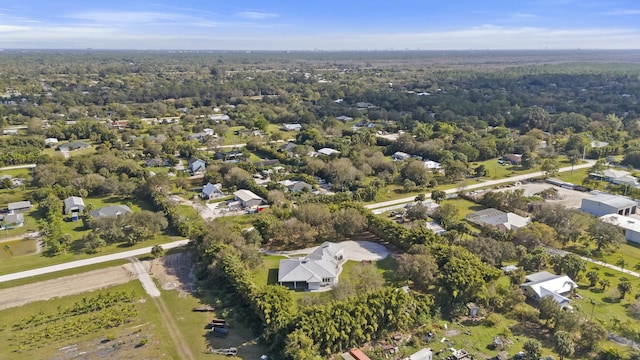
353,250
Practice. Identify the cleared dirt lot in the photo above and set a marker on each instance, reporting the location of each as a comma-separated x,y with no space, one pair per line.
173,271
68,285
570,199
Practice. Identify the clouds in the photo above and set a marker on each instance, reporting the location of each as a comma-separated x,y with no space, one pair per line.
256,15
237,25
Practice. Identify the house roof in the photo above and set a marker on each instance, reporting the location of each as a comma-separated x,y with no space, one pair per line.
72,201
246,195
615,173
13,218
73,145
50,141
358,354
108,211
430,164
400,155
499,219
288,146
422,354
295,185
625,222
211,188
19,205
547,284
292,126
321,263
615,201
328,151
516,158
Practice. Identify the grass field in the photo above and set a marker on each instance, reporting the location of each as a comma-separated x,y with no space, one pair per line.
26,262
126,338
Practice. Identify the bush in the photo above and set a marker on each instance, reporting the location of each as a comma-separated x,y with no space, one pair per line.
524,312
492,320
142,343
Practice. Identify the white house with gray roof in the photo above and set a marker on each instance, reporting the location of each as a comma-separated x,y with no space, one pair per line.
603,204
110,211
247,198
314,271
543,284
498,219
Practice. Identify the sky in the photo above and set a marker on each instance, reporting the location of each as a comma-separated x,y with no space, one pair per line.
320,24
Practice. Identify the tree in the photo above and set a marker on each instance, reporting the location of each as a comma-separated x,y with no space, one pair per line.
419,267
572,265
590,334
621,262
574,158
349,221
564,344
549,310
605,235
593,277
529,160
480,171
446,215
624,286
299,345
438,196
157,251
532,349
604,284
417,212
549,167
415,171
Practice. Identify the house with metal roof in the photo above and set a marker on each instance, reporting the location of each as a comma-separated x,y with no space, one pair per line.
110,211
212,191
19,206
314,271
629,225
603,204
543,284
247,198
498,219
73,204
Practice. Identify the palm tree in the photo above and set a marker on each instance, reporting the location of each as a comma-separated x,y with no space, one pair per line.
7,249
621,262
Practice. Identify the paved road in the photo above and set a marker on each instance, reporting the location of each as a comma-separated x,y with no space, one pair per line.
589,163
26,166
553,251
90,261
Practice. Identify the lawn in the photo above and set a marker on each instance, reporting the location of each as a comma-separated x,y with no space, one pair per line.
464,206
629,252
191,325
575,178
26,262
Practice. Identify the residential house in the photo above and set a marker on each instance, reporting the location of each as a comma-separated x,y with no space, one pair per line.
433,166
318,269
247,198
73,204
328,151
219,117
291,127
400,156
543,284
288,147
630,225
49,142
617,177
295,186
73,146
11,220
267,162
212,191
344,118
422,354
196,166
249,132
355,354
110,211
499,219
157,162
19,207
232,155
10,132
603,204
514,159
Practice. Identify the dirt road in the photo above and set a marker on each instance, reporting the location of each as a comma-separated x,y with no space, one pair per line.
64,286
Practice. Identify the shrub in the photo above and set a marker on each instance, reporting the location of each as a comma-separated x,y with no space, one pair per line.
492,320
524,312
